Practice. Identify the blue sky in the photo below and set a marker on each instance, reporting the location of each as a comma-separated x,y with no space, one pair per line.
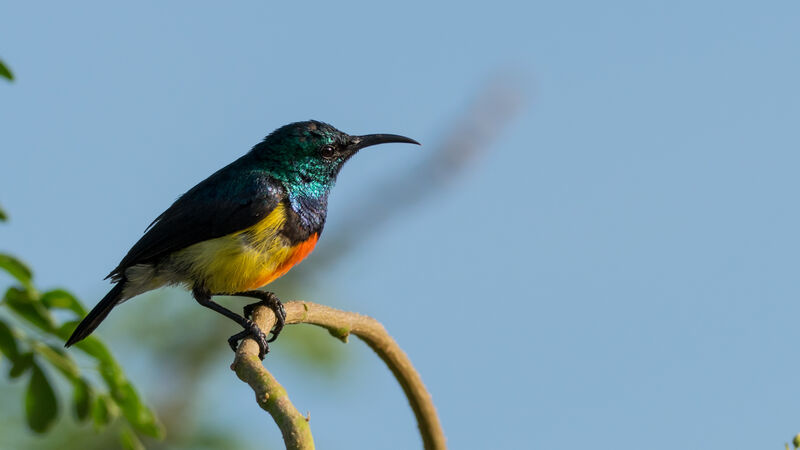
618,270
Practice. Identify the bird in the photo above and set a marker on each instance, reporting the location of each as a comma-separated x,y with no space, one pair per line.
241,228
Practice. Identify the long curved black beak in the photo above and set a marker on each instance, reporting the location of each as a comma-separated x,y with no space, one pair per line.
359,142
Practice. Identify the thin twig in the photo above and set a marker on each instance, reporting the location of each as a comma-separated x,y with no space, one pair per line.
340,324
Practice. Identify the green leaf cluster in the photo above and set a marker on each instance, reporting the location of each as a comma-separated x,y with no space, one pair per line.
31,341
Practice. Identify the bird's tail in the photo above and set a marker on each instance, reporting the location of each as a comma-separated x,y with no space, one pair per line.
97,314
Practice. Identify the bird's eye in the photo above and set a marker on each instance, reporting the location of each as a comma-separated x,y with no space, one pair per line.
327,152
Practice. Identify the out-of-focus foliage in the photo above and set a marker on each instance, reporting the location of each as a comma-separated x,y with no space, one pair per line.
5,72
33,327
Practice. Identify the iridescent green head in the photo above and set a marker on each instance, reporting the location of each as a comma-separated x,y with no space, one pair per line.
308,155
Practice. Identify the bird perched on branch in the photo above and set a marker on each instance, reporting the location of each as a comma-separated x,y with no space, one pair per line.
240,228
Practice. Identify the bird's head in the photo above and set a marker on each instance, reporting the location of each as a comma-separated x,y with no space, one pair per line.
310,154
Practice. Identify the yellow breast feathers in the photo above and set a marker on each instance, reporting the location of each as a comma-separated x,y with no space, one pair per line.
244,260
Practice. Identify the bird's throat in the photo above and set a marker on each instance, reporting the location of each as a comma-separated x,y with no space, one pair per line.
310,202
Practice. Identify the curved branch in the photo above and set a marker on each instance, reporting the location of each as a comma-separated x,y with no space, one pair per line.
340,324
270,395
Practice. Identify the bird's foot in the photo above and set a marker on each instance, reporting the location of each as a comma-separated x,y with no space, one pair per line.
253,331
272,302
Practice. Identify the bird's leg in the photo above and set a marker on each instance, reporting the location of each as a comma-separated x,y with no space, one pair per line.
272,302
250,328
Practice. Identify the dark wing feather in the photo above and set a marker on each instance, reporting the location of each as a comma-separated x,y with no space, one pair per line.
230,200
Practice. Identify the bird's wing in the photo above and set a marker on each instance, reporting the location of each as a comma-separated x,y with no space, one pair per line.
227,201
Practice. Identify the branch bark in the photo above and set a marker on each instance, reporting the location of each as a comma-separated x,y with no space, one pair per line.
270,395
273,398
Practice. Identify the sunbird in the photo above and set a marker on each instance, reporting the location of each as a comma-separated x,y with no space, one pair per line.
241,228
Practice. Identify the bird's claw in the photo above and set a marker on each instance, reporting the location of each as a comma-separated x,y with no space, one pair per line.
251,331
272,302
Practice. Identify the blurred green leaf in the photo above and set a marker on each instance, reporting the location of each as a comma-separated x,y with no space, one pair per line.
96,349
81,399
122,391
8,344
22,364
23,303
16,269
3,216
138,415
60,360
41,406
92,346
102,411
5,72
59,298
129,440
114,379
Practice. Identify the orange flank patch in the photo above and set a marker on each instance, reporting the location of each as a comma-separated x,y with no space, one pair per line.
297,254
